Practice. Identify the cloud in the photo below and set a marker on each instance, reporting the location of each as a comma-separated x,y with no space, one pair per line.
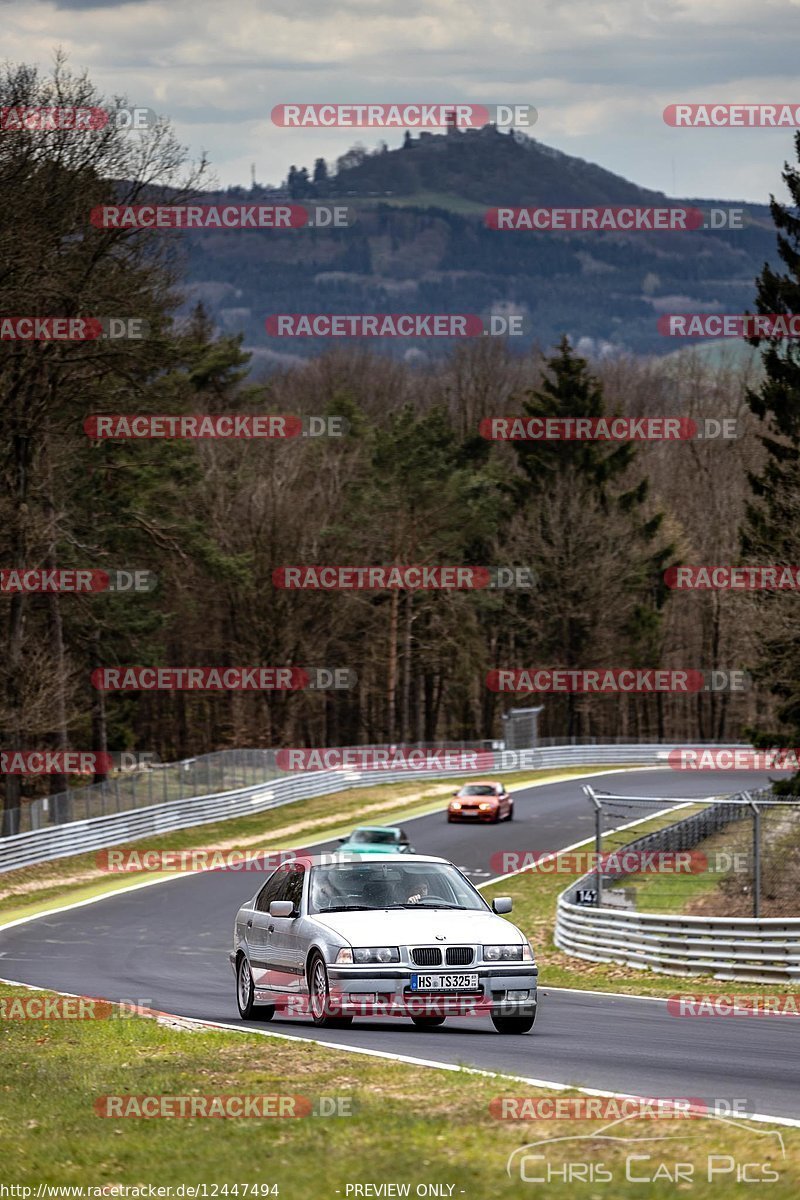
600,72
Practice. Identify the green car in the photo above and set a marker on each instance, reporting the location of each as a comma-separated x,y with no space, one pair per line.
377,839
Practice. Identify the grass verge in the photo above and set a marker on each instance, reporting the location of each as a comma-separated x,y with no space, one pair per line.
35,889
407,1124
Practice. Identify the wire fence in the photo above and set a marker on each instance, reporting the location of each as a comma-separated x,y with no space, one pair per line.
733,856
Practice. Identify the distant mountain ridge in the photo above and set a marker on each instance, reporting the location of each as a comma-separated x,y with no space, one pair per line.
421,244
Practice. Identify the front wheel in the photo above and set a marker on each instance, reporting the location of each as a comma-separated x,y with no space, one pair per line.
319,996
245,995
515,1024
510,816
428,1022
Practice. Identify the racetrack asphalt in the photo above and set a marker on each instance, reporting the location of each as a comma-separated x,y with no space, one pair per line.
166,946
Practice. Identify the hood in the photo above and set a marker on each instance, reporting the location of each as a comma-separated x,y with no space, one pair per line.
419,927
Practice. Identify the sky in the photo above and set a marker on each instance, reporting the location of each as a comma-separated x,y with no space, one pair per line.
598,72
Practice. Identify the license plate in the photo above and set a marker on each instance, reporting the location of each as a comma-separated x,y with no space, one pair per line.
444,983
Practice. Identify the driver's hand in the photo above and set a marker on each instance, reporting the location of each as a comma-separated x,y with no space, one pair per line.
415,899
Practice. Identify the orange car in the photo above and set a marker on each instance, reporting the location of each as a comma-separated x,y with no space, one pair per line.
484,800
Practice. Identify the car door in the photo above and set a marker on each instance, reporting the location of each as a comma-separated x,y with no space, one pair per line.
290,947
264,948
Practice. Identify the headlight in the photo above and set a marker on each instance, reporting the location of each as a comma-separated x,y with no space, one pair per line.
485,806
344,956
376,954
455,804
506,953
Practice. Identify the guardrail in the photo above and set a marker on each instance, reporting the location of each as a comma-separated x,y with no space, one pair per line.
762,951
753,949
98,833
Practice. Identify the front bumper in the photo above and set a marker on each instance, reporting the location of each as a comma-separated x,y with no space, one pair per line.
473,815
387,991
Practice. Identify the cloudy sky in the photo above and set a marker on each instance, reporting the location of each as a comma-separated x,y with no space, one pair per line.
599,72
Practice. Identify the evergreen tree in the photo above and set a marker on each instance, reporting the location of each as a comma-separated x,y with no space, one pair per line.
771,531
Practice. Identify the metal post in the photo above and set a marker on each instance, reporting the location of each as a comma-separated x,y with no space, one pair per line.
756,854
598,841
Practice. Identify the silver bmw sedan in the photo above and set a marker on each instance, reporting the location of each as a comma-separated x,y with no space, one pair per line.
335,936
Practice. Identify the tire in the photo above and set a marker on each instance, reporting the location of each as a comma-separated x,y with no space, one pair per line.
319,997
510,816
515,1024
245,993
428,1022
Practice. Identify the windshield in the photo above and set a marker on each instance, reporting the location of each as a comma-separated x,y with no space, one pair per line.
341,887
378,837
477,789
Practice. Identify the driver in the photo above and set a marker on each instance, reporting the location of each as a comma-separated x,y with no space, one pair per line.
421,891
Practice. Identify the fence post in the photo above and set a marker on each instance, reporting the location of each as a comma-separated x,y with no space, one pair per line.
756,855
598,841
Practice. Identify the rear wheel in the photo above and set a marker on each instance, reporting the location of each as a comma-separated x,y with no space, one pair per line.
516,1024
245,995
428,1022
319,997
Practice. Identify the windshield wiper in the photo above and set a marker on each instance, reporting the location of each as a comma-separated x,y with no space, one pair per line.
421,904
348,908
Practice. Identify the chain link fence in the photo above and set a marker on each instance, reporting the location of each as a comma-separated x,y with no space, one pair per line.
732,856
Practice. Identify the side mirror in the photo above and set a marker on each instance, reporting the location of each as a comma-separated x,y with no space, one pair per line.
500,905
455,793
342,840
281,908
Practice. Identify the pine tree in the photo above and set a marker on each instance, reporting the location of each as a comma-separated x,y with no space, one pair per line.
596,540
771,531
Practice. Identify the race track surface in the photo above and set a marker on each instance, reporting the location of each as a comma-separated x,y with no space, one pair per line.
167,946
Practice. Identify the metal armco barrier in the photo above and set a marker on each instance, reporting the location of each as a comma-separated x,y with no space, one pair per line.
753,949
98,833
763,951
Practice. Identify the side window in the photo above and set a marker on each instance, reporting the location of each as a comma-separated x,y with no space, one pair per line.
274,889
294,889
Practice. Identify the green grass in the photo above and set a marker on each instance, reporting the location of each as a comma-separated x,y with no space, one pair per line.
36,889
408,1124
